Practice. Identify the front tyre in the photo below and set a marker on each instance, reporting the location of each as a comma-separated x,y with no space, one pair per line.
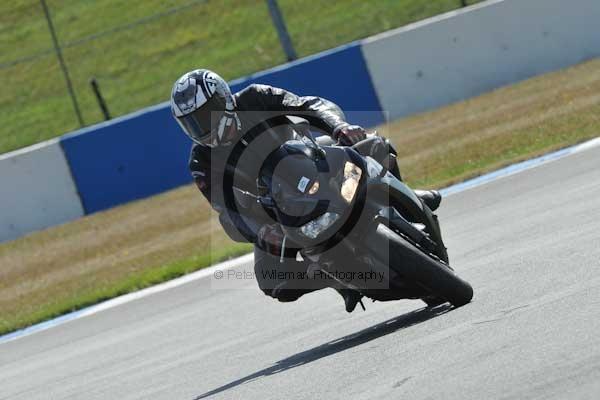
416,266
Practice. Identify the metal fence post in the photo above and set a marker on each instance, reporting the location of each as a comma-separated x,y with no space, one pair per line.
63,66
282,32
101,102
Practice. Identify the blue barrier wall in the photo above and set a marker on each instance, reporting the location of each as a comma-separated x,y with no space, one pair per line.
146,153
132,158
339,75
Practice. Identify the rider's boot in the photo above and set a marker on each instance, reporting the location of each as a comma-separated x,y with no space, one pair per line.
432,198
351,298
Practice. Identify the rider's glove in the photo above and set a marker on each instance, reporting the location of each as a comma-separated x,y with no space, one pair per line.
347,135
270,239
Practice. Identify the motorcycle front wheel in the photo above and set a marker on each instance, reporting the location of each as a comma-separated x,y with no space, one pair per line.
414,265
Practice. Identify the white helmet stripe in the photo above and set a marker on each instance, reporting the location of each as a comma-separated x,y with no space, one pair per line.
204,86
200,98
208,82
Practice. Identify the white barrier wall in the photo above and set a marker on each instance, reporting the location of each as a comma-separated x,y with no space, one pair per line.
468,52
37,190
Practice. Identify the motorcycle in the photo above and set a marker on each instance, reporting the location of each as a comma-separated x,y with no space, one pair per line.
353,219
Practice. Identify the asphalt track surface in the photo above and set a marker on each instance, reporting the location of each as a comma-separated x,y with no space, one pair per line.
529,243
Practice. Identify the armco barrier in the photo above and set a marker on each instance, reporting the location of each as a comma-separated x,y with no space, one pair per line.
37,190
146,153
468,52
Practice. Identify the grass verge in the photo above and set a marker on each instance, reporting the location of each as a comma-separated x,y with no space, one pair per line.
138,244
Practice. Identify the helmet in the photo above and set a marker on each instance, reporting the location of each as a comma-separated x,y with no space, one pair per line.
203,105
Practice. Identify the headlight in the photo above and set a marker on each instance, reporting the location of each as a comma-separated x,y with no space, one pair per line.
352,176
316,226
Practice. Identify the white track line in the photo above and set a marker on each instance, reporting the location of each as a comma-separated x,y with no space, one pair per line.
126,298
206,272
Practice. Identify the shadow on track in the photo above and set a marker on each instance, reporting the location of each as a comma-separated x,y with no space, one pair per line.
338,345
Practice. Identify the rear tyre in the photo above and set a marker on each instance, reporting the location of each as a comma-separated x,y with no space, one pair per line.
415,265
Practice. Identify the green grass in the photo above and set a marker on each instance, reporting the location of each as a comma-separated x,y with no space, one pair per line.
136,67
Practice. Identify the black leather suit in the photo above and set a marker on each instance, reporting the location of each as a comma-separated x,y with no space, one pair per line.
260,107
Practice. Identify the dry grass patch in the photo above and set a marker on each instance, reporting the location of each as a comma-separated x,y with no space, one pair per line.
132,246
510,124
93,256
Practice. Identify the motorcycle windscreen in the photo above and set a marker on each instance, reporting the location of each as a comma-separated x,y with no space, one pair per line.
295,188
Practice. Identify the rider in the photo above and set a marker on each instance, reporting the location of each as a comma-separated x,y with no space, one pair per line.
215,119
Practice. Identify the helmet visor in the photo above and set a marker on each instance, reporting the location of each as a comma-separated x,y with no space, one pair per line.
200,124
